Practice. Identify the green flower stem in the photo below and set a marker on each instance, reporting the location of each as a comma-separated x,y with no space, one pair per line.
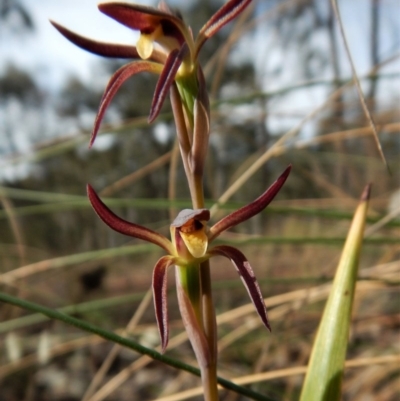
198,194
209,324
188,88
182,132
185,143
210,328
199,293
209,318
109,335
190,279
192,318
196,189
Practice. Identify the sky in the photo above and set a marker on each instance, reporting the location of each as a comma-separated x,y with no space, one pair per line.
51,57
48,53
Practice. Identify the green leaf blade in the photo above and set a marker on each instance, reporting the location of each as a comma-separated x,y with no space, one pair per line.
325,370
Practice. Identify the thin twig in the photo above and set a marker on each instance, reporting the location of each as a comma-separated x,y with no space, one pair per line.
15,227
358,86
109,335
136,175
280,142
172,179
108,361
381,223
277,374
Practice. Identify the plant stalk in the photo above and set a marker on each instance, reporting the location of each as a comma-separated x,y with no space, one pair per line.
209,324
126,342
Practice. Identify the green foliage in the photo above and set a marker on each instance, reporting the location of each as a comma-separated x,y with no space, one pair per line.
323,380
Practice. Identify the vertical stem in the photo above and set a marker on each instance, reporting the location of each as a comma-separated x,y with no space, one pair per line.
207,323
190,305
190,281
209,372
210,385
182,131
209,320
198,194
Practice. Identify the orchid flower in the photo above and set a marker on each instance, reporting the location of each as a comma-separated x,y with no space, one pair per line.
190,246
165,47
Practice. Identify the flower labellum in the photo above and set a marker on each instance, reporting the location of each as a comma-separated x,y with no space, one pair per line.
190,226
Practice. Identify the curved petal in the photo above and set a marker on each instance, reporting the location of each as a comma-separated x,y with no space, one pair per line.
247,275
225,14
250,210
96,47
160,296
146,19
166,79
123,226
119,77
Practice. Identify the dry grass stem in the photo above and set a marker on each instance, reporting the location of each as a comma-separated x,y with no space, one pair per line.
382,222
122,376
172,178
136,175
223,53
240,181
108,361
325,184
281,373
15,227
357,83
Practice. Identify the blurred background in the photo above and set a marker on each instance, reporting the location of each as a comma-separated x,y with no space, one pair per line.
279,80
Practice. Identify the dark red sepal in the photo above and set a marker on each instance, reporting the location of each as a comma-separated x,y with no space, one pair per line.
225,14
100,48
250,210
166,79
125,227
247,275
145,19
160,297
115,82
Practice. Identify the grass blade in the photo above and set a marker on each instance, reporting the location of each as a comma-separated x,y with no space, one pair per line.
126,342
326,365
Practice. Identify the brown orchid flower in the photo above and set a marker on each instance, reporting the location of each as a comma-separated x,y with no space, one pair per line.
190,246
166,47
